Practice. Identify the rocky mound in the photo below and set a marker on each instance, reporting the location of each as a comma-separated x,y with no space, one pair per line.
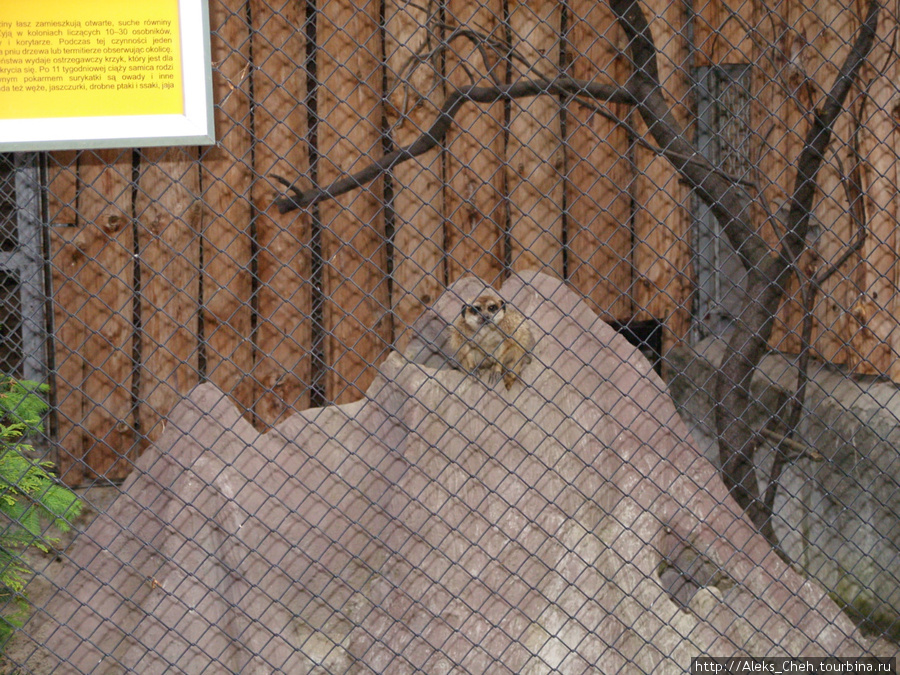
567,523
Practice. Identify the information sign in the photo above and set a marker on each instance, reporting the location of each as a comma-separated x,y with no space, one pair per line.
104,73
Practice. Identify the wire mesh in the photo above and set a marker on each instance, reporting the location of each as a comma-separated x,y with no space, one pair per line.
489,337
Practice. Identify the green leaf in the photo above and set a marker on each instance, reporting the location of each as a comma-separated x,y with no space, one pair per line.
33,503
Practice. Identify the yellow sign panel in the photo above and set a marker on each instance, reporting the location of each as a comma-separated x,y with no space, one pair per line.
89,58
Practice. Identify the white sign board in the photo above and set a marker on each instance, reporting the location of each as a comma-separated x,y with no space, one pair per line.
104,74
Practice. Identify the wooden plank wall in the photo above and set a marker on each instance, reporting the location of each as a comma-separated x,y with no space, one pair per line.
799,47
170,266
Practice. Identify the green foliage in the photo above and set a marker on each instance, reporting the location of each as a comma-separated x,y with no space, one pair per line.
21,402
32,502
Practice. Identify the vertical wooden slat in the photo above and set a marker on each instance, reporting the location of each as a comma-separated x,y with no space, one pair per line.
706,28
68,340
661,219
822,34
599,169
107,315
872,326
836,232
779,125
534,155
473,199
720,32
167,218
62,187
67,296
104,205
415,91
888,135
806,46
284,334
226,182
353,244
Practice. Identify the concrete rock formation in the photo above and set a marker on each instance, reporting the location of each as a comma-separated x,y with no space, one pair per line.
566,524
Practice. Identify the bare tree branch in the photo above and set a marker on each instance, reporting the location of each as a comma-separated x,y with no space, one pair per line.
852,184
729,202
438,131
578,89
768,270
766,285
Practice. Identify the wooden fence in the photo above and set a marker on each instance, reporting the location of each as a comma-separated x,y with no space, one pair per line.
170,265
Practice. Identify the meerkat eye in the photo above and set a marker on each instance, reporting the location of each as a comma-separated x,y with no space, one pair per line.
492,308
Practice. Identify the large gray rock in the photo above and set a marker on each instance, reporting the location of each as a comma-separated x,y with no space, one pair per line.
438,525
839,518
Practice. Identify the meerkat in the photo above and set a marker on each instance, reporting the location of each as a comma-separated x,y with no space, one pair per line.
489,335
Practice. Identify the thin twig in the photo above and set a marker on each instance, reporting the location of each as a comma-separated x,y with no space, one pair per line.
757,172
854,199
796,446
851,183
481,41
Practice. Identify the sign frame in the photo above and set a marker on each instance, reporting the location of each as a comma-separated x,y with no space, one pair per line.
194,127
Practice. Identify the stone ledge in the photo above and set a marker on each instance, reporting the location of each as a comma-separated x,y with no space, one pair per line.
838,519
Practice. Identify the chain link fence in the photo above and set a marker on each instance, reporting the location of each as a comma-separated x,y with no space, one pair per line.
489,337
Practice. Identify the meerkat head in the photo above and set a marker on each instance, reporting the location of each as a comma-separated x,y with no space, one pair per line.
486,309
